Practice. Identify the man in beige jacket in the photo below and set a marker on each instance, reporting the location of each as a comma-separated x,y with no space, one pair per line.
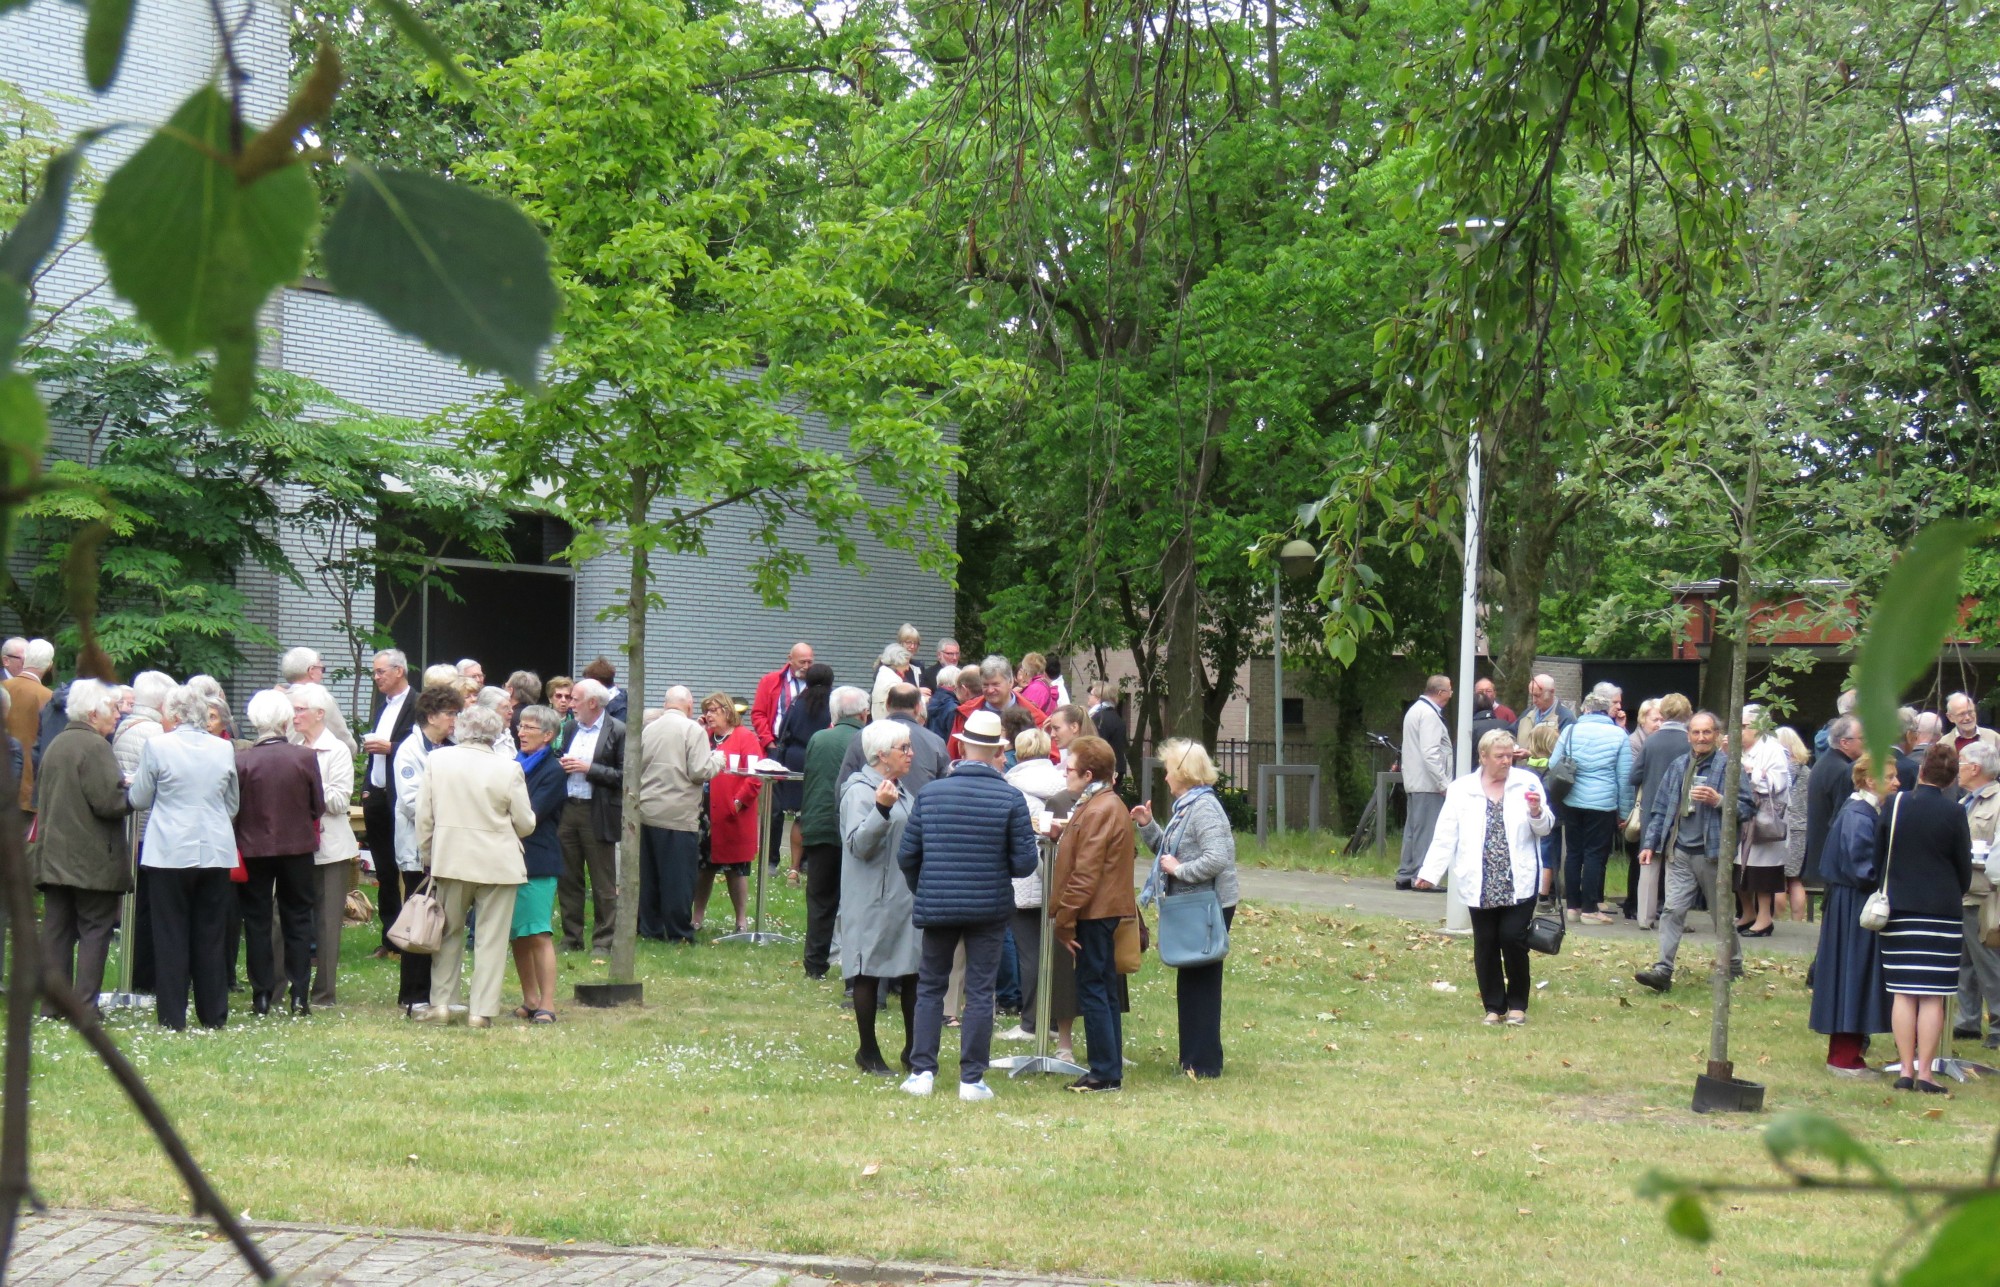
679,758
472,812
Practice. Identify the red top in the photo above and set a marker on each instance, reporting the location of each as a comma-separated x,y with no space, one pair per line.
732,803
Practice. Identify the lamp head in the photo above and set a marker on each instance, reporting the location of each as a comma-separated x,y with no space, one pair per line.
1298,558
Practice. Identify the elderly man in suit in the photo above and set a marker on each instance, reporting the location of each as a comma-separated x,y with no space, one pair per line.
472,814
592,753
1427,755
394,719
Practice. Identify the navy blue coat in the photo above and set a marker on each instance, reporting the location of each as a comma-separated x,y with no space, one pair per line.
548,789
942,713
968,839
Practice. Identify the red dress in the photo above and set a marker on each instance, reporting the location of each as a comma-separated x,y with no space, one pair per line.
732,826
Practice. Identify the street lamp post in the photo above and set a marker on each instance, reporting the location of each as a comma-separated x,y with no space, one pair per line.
1295,560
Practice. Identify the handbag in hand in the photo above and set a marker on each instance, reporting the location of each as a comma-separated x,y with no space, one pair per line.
1769,823
1128,944
1545,932
420,927
1875,912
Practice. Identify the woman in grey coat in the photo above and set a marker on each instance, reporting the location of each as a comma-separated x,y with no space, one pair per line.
81,861
877,937
1197,850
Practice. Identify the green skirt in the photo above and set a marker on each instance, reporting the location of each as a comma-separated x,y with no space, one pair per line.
534,907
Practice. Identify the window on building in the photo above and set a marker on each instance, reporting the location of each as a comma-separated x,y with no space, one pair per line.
1295,712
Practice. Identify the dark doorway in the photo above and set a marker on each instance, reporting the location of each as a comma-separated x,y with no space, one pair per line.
519,614
1646,678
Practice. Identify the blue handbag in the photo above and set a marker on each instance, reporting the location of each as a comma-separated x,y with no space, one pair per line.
1192,931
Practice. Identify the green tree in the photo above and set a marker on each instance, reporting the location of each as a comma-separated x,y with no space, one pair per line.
691,354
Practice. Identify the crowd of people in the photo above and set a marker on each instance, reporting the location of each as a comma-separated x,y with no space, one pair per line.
1555,789
931,815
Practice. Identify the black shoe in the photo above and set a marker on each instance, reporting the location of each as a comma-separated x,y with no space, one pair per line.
1405,884
260,1003
302,1005
1658,977
1931,1088
1965,1034
1762,933
816,977
1992,1041
1905,1083
1087,1085
873,1065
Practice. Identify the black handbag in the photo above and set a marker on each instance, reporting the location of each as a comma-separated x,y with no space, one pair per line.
1560,777
1545,932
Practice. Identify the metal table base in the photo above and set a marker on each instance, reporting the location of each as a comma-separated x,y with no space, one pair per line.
757,935
1042,1061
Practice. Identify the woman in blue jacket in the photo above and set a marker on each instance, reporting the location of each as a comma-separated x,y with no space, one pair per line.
1596,803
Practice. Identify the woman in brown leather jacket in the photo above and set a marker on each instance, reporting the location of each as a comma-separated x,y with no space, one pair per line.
1092,892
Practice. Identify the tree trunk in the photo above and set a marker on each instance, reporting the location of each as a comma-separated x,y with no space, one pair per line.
1719,1065
625,926
1717,678
1186,680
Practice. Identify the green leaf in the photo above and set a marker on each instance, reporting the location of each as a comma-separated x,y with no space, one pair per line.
1810,1133
1918,607
104,41
418,32
1965,1252
1688,1218
195,252
24,428
35,233
460,269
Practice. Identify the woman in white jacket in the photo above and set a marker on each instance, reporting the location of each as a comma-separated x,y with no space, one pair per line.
1488,838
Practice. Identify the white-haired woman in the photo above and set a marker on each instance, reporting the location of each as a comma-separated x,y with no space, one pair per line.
501,702
141,723
280,800
81,862
1760,864
891,668
1488,839
878,940
188,780
473,812
335,859
1197,850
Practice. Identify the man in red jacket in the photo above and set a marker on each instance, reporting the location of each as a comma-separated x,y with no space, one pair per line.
775,692
996,694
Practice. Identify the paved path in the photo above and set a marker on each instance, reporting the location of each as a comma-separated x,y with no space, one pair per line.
1380,897
114,1249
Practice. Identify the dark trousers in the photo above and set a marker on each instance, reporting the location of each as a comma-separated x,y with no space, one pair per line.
76,936
822,905
668,863
378,814
141,931
1026,932
1590,832
1007,992
584,855
982,964
188,911
1500,955
1198,993
1096,970
288,879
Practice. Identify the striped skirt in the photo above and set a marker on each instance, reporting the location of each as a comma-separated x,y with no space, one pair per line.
1920,955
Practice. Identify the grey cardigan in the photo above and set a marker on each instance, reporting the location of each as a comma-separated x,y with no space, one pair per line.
1207,854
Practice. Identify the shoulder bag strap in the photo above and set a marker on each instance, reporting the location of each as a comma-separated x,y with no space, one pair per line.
1895,808
1687,790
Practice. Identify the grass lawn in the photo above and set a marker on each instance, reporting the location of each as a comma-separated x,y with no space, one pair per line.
1368,1130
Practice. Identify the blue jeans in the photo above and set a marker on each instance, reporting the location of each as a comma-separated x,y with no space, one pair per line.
1007,992
1103,1026
975,1033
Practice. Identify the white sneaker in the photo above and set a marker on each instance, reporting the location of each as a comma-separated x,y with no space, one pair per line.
917,1083
1017,1033
974,1092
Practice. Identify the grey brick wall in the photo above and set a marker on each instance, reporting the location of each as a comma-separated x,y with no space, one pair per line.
713,632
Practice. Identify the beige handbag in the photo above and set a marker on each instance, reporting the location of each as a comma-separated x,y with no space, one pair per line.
1989,920
420,927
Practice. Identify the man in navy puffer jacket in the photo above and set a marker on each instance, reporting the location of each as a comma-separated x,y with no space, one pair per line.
968,839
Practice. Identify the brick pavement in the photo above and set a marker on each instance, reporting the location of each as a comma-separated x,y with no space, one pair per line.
130,1249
